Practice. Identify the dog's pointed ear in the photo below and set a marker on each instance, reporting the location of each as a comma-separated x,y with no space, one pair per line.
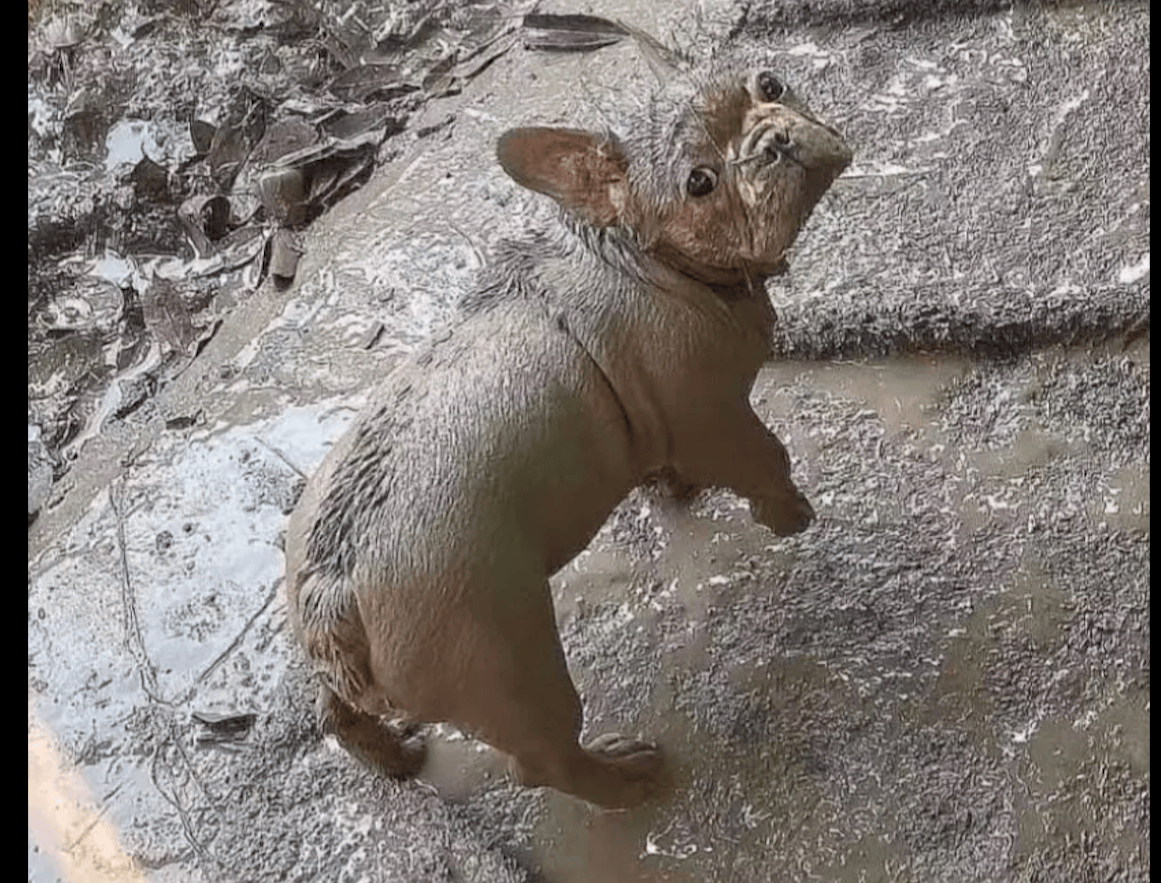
584,172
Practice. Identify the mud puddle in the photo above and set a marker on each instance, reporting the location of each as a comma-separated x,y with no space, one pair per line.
753,763
845,704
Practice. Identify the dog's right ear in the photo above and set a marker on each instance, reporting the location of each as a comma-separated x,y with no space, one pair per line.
584,172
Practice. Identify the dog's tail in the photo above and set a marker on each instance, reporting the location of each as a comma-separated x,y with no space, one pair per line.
333,634
350,705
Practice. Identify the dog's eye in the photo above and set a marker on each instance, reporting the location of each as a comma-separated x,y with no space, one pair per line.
701,182
770,86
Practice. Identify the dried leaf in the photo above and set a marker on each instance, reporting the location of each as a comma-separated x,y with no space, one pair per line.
570,33
333,177
366,80
282,193
372,335
343,124
440,85
243,207
167,318
204,219
135,391
201,134
476,63
286,249
239,247
183,421
227,153
150,180
282,138
224,727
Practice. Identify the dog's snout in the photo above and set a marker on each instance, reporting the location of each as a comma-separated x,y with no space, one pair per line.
778,146
803,142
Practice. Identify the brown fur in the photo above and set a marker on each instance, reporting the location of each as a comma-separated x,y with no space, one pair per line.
620,345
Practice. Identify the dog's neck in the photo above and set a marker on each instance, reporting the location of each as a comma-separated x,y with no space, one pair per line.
729,283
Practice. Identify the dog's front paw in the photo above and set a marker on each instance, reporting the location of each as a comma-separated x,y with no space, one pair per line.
784,515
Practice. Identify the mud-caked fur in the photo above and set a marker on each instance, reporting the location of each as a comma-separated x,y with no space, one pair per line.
619,344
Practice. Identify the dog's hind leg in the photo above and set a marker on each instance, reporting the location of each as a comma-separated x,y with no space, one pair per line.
388,749
532,712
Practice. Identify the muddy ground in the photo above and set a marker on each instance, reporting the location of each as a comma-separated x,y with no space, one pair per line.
945,679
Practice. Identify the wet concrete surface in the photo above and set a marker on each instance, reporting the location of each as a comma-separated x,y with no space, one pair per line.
945,679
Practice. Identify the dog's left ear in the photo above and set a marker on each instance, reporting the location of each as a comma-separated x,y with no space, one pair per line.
584,172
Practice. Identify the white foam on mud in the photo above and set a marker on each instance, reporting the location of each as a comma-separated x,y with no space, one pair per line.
1134,272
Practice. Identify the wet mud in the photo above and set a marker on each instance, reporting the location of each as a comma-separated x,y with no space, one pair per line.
940,666
945,679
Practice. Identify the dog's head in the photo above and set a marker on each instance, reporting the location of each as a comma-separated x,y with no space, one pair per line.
715,176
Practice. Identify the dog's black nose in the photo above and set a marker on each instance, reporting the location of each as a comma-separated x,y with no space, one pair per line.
779,146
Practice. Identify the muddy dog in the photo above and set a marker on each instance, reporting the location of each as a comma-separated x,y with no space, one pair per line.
621,343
